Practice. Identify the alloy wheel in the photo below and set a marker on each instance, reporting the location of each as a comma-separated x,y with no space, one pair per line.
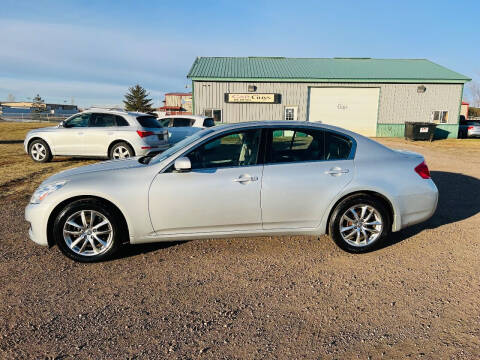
121,152
88,233
361,225
38,152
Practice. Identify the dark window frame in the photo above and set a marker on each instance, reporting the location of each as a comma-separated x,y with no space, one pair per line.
269,140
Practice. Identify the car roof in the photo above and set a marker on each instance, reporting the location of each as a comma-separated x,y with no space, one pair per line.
194,117
115,111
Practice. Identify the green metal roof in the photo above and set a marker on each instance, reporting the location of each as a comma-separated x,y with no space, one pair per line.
321,69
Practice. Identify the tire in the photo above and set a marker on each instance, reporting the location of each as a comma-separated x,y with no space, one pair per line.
121,150
84,240
39,151
359,234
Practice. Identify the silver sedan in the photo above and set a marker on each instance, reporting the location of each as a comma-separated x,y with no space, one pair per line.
261,178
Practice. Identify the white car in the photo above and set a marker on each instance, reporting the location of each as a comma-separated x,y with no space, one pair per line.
257,178
101,133
181,126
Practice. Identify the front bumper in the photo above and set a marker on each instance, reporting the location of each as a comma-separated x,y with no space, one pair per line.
37,216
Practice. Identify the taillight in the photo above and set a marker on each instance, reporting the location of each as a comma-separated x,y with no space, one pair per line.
143,133
470,128
422,170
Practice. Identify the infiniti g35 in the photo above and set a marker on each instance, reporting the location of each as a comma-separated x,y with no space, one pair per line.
232,180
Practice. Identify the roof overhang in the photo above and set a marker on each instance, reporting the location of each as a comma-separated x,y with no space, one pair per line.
336,80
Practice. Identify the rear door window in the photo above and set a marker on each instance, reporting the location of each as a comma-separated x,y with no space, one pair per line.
337,147
295,145
102,120
148,121
182,122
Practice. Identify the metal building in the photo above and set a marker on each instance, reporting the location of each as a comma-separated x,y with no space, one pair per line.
374,97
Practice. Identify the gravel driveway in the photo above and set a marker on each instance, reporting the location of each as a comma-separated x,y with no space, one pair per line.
253,298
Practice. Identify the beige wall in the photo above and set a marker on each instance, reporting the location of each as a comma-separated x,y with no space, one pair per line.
398,102
185,101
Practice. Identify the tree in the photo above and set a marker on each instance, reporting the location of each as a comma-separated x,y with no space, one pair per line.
136,99
474,89
38,104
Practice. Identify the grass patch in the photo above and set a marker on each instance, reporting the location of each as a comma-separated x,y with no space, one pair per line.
19,174
18,130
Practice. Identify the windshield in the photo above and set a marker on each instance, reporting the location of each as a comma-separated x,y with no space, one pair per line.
180,145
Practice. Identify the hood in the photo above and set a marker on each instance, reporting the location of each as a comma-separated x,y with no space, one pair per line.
101,166
43,129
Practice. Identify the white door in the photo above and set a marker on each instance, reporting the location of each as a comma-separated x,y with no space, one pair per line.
99,134
69,140
303,173
220,194
354,109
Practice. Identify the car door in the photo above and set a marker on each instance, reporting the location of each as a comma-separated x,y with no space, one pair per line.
179,129
99,134
304,170
221,193
69,138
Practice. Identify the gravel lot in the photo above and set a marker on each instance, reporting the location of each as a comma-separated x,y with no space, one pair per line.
253,298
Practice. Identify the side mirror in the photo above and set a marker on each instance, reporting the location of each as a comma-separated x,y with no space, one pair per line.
183,164
62,123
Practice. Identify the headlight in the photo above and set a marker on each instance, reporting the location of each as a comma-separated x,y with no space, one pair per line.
43,191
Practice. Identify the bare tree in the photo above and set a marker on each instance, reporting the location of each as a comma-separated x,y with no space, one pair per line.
474,90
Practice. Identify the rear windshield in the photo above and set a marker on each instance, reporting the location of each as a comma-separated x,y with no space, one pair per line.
148,121
473,123
208,122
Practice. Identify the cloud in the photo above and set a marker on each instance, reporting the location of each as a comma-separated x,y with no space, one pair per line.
51,56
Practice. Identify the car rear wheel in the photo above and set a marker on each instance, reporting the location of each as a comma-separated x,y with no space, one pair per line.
359,223
121,150
88,231
40,151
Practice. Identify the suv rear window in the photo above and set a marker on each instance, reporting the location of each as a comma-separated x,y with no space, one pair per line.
148,121
208,122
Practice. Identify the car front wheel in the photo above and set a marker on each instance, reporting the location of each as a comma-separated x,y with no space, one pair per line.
359,223
40,151
88,231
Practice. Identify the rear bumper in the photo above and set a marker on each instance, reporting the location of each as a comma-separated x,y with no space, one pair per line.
473,133
419,206
146,149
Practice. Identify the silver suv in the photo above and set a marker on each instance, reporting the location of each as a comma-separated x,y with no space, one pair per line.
102,133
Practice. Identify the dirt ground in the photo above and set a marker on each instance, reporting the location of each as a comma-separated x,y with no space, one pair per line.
250,298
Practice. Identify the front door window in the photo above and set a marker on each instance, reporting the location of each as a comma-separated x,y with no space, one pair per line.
237,149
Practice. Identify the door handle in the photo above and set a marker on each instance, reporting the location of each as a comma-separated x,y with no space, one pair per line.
337,171
245,178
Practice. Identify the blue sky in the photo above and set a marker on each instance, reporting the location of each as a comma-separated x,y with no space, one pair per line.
93,50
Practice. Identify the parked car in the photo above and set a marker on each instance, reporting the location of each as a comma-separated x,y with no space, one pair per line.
257,178
469,128
101,133
181,126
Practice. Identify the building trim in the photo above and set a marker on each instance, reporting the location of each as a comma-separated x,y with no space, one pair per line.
335,80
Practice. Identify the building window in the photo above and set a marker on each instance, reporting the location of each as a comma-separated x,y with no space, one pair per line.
440,116
291,112
216,114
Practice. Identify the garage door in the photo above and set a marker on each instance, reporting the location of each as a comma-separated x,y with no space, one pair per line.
354,109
